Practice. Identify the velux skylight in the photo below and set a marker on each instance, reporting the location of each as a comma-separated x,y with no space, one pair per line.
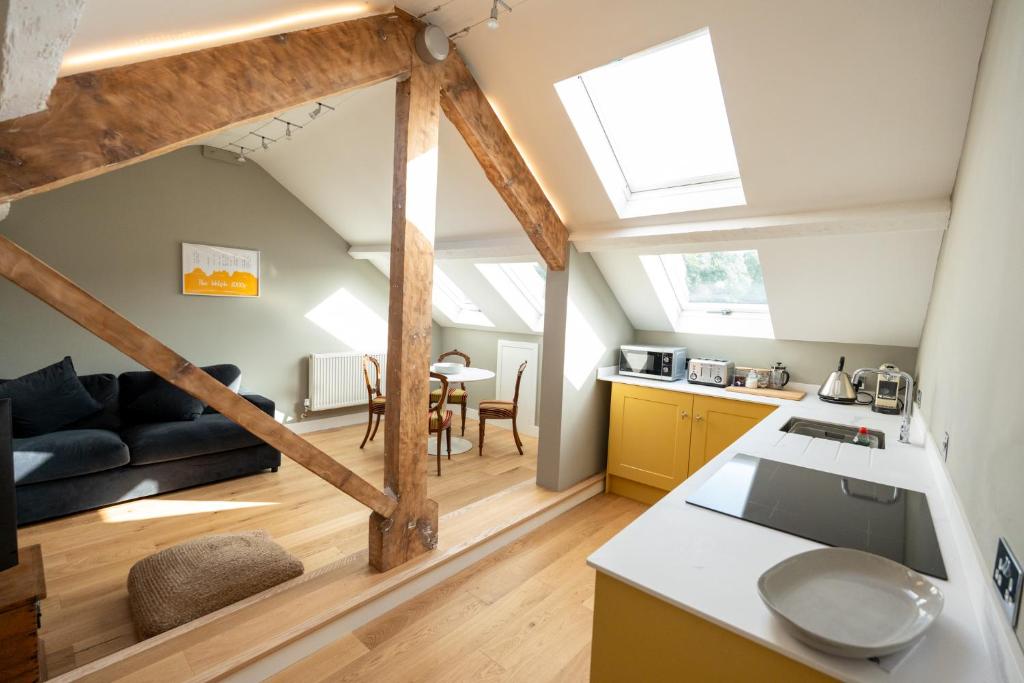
521,285
655,128
718,292
454,303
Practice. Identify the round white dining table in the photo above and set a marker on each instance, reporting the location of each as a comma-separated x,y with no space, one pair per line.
465,375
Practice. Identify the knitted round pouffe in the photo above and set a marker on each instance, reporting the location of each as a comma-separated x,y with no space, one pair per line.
186,581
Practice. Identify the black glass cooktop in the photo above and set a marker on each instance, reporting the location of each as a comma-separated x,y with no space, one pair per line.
828,508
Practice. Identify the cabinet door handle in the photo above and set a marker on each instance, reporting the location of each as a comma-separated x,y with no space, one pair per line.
683,415
698,417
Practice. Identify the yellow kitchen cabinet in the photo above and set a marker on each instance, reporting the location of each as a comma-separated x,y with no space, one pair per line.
638,637
648,441
657,438
717,423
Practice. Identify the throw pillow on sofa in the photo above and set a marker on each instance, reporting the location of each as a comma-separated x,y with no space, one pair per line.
48,399
163,402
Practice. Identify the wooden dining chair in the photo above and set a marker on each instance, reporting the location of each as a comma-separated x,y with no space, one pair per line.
375,399
503,410
456,396
441,418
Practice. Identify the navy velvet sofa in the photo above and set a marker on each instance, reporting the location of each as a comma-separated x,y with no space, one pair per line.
108,457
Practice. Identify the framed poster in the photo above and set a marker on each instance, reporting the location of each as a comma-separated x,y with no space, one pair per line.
219,271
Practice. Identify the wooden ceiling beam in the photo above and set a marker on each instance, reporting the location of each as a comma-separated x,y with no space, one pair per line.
102,120
466,106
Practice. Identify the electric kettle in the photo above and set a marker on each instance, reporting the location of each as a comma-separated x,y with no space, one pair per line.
838,388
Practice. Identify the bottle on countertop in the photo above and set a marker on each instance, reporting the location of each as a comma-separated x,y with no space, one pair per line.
863,438
752,379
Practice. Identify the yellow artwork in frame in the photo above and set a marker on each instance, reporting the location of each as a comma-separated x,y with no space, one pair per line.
219,271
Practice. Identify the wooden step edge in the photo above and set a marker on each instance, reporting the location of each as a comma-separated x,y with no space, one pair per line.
449,551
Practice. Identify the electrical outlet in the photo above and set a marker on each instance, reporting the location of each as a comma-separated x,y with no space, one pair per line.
945,446
1007,577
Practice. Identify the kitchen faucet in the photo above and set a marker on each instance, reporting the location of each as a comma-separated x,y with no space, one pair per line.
908,403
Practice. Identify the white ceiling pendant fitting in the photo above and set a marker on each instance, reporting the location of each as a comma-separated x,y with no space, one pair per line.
432,44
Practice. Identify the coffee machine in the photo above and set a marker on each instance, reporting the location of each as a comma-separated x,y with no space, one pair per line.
887,390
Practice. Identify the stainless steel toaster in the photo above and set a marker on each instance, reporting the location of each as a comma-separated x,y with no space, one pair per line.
709,371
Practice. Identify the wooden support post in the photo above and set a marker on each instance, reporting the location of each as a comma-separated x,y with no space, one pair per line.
45,283
412,530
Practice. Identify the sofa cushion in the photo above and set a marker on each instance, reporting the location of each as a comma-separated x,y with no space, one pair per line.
104,389
70,453
164,441
163,402
145,397
47,399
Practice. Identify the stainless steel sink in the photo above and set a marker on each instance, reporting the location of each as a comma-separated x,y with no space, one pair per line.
830,431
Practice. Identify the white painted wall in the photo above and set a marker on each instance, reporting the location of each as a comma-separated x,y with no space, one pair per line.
583,330
971,349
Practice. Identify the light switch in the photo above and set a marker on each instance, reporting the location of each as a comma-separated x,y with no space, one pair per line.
1007,577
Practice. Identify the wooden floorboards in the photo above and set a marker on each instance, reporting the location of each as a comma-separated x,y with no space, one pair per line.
522,614
87,556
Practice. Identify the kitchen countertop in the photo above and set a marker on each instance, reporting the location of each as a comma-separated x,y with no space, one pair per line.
708,563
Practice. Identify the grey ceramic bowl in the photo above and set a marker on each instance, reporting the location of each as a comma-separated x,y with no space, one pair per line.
850,603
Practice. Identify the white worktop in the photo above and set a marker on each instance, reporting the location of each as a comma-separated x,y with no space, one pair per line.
708,563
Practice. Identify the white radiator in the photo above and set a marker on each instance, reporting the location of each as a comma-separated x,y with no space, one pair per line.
336,379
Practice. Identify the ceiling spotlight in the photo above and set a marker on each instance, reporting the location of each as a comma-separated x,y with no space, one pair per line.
264,143
320,106
492,21
241,158
288,125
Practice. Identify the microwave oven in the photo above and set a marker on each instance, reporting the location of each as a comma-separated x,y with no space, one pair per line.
666,363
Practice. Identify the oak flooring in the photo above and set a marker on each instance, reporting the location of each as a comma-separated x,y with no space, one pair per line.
87,556
522,614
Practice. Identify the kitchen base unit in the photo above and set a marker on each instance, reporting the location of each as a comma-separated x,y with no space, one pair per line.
638,637
659,437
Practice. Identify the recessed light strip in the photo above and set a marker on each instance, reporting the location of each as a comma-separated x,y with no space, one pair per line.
183,43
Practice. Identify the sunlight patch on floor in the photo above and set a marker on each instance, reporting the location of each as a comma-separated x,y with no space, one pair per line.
155,509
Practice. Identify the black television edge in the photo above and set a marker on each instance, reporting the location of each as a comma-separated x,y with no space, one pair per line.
8,508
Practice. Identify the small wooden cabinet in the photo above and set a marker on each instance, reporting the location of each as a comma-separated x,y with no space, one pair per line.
657,438
21,589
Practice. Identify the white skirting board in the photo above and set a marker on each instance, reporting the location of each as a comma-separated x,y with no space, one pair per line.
306,426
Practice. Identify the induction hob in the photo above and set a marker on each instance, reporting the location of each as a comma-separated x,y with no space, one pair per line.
828,508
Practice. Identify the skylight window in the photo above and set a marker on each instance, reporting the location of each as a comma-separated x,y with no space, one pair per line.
522,287
655,128
718,292
454,303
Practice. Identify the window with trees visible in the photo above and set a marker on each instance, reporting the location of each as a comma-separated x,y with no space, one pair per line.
718,292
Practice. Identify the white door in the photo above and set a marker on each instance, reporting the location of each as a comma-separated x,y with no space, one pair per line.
510,355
